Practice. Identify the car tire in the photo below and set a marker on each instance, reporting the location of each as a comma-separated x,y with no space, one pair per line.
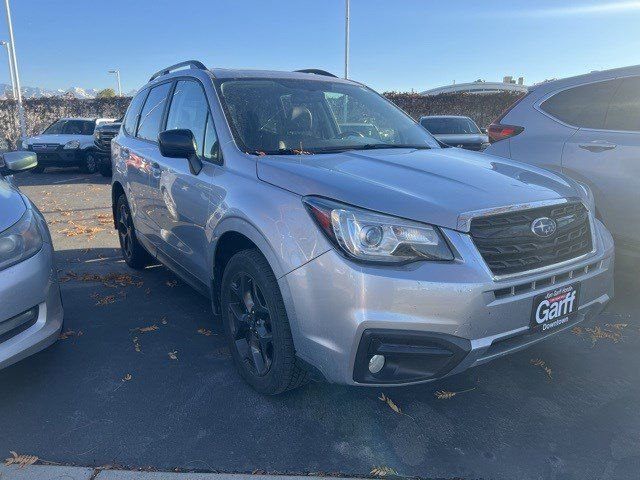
89,163
135,255
256,325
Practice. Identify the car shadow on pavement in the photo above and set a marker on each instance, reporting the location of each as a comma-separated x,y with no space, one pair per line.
59,176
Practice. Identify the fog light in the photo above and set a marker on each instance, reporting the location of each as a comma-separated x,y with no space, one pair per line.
376,363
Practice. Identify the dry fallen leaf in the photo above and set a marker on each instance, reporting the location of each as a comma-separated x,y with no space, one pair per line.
171,283
382,471
173,355
20,460
150,328
102,301
538,362
136,344
69,334
446,394
127,377
205,332
389,402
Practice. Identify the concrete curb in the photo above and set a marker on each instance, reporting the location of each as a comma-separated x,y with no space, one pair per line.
47,472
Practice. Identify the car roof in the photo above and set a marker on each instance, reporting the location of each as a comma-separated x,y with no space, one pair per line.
225,73
585,78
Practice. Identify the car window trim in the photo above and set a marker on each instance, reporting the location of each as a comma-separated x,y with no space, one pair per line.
162,119
145,93
176,79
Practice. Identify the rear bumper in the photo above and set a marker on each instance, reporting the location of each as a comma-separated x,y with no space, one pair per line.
455,311
30,286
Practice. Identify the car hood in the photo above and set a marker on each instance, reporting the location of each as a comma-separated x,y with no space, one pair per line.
57,139
465,138
434,186
12,206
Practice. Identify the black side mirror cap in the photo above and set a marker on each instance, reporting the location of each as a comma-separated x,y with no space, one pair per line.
180,143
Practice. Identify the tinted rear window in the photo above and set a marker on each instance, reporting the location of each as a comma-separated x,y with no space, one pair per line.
454,126
583,106
624,110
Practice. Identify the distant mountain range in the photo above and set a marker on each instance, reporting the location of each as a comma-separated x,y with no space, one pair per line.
38,92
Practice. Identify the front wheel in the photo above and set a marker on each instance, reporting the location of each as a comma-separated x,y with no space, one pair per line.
256,325
90,163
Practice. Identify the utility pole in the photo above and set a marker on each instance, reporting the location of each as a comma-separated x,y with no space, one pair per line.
12,49
13,80
117,74
346,41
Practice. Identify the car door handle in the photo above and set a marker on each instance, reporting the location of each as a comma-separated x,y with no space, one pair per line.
597,146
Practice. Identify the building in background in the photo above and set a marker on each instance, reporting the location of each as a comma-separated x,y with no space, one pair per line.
508,84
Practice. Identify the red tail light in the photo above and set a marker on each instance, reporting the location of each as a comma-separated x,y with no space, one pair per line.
498,131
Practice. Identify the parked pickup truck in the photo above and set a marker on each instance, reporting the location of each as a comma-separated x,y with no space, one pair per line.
68,142
102,140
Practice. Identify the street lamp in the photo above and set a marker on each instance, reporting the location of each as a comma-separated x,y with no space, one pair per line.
117,74
346,40
13,80
12,49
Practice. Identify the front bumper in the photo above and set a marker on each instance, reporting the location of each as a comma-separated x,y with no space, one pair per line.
334,304
57,156
31,311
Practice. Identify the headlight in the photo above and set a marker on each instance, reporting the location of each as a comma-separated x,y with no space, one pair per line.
71,144
20,241
588,197
374,237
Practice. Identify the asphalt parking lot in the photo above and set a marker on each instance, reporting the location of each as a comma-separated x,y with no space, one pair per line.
141,378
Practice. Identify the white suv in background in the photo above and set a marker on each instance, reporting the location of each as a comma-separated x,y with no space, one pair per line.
589,128
67,142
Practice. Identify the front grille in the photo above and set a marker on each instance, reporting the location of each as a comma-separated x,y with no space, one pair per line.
103,139
508,245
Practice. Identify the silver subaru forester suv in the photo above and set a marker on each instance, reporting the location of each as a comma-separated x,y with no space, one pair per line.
330,254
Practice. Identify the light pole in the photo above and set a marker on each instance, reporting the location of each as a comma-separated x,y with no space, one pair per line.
12,48
117,74
346,41
13,81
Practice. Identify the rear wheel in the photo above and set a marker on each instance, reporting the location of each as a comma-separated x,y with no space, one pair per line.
133,252
257,327
89,163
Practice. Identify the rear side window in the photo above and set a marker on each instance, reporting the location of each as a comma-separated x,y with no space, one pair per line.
133,112
624,111
151,115
189,110
584,106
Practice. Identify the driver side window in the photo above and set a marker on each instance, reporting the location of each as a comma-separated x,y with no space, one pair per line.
189,110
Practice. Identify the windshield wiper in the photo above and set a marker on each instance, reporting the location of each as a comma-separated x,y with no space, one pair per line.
281,151
371,146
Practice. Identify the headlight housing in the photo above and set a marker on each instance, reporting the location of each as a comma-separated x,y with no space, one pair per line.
20,241
374,237
71,144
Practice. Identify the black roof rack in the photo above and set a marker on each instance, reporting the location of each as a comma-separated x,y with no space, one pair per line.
187,63
317,71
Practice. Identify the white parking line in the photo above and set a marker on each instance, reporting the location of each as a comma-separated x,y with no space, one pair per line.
67,180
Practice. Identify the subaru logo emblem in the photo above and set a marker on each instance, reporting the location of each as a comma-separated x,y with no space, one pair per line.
543,226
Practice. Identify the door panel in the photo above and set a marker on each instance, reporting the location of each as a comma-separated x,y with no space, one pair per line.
181,199
609,162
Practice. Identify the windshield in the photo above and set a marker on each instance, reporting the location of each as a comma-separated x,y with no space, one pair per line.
307,116
70,127
451,125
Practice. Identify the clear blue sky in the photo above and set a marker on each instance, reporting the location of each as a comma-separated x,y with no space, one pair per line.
395,44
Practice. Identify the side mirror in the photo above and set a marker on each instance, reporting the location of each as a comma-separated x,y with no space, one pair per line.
180,143
16,162
484,130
